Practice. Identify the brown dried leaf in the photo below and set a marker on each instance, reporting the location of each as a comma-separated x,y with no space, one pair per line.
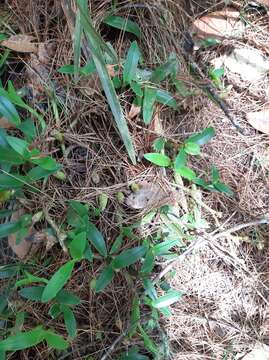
150,195
259,120
21,43
5,124
218,24
134,111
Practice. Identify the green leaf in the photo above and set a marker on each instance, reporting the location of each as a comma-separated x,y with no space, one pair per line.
164,70
180,160
133,354
8,111
55,341
158,159
149,344
80,209
203,137
29,130
148,104
69,321
123,24
148,263
165,246
135,316
181,87
30,279
150,289
130,65
67,298
9,228
55,310
209,42
136,88
23,340
116,245
221,187
8,271
95,45
215,176
66,69
77,37
38,173
216,74
46,163
19,145
96,239
33,293
166,300
186,172
128,257
159,144
78,245
57,281
192,148
104,279
165,98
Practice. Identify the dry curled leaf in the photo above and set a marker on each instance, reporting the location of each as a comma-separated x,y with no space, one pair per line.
150,195
218,24
21,43
134,111
259,120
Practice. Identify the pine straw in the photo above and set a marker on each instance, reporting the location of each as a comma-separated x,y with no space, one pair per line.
223,306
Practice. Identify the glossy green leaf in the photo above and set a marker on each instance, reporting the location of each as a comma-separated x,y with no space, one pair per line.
165,246
97,239
23,340
104,279
186,173
148,104
33,293
128,257
55,310
19,145
8,111
192,148
67,298
69,321
148,264
203,137
57,281
96,44
158,159
164,70
123,24
55,341
180,159
131,62
165,98
78,245
166,300
9,228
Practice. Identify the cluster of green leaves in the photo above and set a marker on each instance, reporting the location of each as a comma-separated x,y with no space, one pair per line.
191,146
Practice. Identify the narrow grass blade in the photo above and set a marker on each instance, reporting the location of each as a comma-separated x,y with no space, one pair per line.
95,44
148,104
131,63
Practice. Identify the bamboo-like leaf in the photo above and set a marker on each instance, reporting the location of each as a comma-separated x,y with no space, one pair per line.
168,68
158,159
57,281
55,341
104,279
95,45
166,300
203,137
33,293
23,340
128,257
165,98
8,228
130,65
97,239
165,246
123,24
148,104
69,321
78,246
8,110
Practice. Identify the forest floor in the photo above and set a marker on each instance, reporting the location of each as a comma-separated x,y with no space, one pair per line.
222,271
